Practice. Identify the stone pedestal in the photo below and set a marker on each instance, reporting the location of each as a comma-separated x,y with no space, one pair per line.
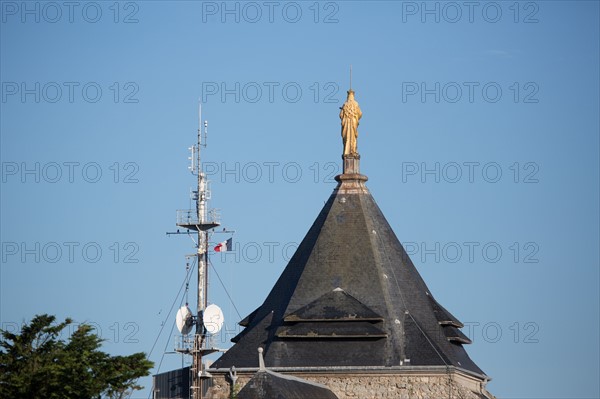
351,181
351,164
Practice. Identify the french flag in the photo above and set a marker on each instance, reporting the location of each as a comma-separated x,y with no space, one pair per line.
224,246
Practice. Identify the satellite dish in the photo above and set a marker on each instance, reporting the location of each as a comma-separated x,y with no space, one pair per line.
213,319
184,320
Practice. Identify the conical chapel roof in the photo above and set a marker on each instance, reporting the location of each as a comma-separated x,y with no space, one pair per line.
350,297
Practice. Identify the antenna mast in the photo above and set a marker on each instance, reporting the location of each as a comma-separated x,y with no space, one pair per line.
201,203
201,221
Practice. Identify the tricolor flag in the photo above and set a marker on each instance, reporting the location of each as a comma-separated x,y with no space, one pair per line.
223,246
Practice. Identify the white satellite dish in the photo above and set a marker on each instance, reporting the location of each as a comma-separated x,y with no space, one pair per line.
213,319
184,320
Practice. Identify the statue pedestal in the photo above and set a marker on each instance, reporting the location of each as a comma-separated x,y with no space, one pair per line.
351,181
351,164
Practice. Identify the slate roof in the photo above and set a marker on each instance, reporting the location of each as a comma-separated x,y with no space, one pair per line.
267,384
350,296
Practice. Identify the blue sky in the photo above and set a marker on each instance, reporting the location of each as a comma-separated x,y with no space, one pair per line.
480,137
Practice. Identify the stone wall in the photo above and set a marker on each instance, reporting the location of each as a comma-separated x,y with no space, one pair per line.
221,386
452,385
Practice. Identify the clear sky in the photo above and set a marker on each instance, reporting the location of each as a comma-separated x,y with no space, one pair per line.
480,137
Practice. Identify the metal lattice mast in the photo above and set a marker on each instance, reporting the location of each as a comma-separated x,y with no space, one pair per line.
201,199
200,221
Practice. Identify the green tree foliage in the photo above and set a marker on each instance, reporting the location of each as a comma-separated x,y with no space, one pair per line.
39,363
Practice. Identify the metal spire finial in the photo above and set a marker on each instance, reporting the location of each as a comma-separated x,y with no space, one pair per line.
350,76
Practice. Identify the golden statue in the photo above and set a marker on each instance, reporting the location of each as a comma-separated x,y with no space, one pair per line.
350,114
